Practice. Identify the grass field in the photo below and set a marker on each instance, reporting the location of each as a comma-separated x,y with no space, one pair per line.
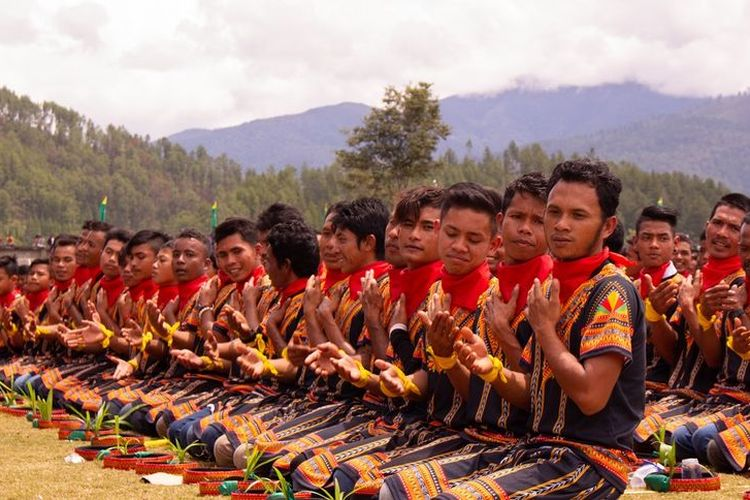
32,468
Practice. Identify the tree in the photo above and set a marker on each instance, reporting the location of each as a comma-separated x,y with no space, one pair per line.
395,144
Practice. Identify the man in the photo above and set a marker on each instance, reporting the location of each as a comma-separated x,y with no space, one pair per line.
658,278
89,248
683,255
586,359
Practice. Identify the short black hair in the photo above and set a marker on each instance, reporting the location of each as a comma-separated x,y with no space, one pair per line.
733,200
296,242
472,196
276,214
364,217
154,239
196,235
64,240
237,225
684,237
96,225
414,200
119,234
596,174
657,213
23,270
38,262
616,241
335,208
10,264
746,219
534,184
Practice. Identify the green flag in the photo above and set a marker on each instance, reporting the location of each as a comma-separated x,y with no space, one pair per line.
103,209
214,215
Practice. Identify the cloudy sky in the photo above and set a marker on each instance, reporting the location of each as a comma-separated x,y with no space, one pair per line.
158,67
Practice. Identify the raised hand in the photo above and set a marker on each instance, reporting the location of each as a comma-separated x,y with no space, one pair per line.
297,351
736,298
740,336
500,314
544,313
689,291
313,294
371,298
662,297
320,359
441,332
472,352
250,292
208,292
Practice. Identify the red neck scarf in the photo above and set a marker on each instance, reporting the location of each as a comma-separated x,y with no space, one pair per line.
166,294
465,289
415,283
113,287
621,261
293,288
84,274
223,278
658,274
143,290
62,286
257,275
573,273
331,277
395,282
379,268
36,299
522,274
6,299
187,290
716,270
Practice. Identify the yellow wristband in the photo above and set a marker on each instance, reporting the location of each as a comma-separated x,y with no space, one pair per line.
730,344
108,334
134,363
441,362
285,353
704,322
386,392
651,315
364,375
44,330
146,337
409,385
497,371
208,363
170,331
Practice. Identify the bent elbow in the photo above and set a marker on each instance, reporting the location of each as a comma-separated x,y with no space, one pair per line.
590,406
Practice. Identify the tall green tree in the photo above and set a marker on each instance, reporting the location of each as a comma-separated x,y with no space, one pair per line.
394,146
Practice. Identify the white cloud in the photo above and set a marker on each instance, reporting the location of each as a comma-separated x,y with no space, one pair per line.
158,67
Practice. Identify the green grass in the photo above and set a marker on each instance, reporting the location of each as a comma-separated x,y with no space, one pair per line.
33,468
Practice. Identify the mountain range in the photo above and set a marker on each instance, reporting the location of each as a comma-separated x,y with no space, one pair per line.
705,136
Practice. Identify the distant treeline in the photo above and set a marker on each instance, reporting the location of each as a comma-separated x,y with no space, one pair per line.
56,165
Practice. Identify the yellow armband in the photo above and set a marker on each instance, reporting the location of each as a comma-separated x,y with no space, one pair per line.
441,362
409,385
260,347
208,363
285,353
651,315
45,330
146,337
108,334
704,322
364,375
170,331
134,363
497,371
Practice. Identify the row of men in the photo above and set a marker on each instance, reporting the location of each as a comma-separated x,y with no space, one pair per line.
388,357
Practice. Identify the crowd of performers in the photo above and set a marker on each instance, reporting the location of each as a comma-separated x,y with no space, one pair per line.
467,344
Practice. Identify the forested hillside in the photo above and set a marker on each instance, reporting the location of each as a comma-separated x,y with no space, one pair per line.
56,165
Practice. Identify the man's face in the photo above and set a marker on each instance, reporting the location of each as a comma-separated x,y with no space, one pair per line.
329,254
654,243
7,283
236,257
392,250
745,248
161,271
141,262
89,247
63,262
418,239
189,259
108,262
127,273
277,273
723,232
573,221
38,278
465,240
353,254
683,256
522,229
